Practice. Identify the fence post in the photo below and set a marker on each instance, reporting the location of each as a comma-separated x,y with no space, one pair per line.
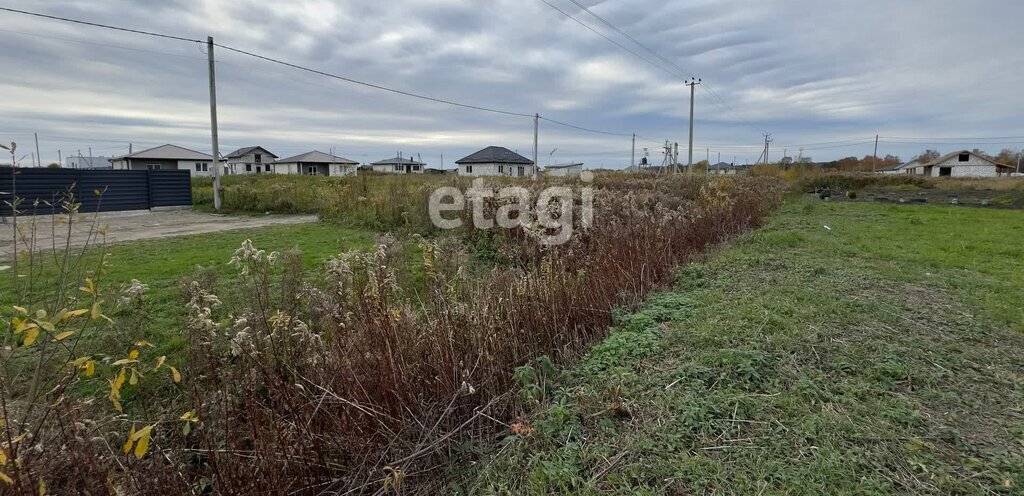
149,188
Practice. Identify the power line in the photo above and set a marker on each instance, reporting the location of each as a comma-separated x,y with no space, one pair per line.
370,85
314,71
679,70
98,25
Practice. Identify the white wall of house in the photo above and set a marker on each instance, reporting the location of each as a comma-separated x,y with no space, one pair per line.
571,171
247,164
344,169
479,170
397,169
333,169
974,167
196,168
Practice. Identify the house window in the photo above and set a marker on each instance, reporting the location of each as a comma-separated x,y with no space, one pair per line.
259,158
199,167
501,169
398,168
965,157
945,171
521,171
248,167
153,166
311,170
416,168
469,169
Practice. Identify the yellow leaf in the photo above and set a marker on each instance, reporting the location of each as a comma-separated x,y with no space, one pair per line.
130,441
160,363
175,374
96,310
143,445
6,479
120,380
30,338
3,458
40,314
134,379
124,361
64,335
42,488
76,313
23,326
21,310
90,368
46,326
60,316
145,343
133,355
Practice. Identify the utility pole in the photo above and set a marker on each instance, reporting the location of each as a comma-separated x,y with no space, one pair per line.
874,165
693,90
90,158
536,131
632,155
37,149
675,158
767,140
213,124
707,158
34,159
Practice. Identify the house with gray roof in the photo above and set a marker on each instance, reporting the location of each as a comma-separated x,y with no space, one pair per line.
959,164
399,165
167,157
316,163
251,160
496,161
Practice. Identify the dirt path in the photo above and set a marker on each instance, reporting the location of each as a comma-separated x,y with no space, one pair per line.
134,226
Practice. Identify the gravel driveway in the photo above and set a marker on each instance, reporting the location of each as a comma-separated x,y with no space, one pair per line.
135,225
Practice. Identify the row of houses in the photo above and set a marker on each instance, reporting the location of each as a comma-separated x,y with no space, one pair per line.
957,164
490,161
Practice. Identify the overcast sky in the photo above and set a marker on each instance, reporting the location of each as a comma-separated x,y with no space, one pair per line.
808,71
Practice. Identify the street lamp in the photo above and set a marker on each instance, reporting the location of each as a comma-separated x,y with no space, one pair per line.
1019,156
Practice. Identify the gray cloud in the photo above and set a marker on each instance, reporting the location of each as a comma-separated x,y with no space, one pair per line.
806,70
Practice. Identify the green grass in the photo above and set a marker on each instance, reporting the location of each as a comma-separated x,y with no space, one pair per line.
882,355
164,262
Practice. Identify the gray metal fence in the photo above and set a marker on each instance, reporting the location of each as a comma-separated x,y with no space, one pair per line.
95,190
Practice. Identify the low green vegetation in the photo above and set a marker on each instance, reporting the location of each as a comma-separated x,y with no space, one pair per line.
162,264
846,348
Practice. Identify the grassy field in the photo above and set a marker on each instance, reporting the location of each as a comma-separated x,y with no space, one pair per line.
846,348
161,264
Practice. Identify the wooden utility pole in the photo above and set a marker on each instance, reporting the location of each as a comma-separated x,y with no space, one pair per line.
37,149
213,123
60,158
536,131
693,90
632,155
874,165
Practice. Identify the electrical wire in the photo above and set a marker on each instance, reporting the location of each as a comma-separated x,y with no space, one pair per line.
98,25
323,73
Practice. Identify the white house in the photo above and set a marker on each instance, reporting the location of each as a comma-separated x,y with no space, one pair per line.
167,157
399,165
564,170
902,169
495,161
959,164
727,168
251,160
316,163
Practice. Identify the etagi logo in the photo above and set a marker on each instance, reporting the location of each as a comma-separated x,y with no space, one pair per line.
551,217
